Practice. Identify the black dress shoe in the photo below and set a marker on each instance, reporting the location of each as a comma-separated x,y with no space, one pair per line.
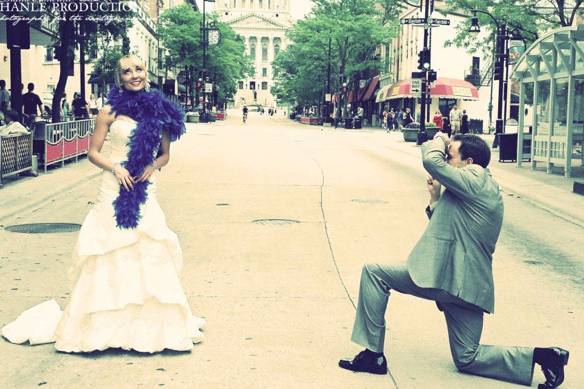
366,362
553,369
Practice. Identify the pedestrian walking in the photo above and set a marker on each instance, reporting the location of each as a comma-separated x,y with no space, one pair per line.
437,119
385,120
451,264
92,105
464,122
65,108
392,125
31,105
79,106
127,293
454,116
4,97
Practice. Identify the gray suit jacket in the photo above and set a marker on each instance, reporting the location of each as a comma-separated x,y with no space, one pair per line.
456,250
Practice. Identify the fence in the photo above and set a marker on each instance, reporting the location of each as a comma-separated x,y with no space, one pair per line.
58,142
15,154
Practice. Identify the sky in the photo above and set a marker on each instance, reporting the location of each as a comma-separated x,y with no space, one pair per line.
298,8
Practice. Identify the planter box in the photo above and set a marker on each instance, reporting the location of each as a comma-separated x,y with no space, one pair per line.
310,120
411,134
192,118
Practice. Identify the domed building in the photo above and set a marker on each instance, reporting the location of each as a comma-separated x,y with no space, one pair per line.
262,24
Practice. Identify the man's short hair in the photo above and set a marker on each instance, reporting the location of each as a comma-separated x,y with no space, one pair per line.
473,146
30,86
2,83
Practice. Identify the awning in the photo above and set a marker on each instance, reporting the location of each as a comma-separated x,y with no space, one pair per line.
382,94
370,89
449,88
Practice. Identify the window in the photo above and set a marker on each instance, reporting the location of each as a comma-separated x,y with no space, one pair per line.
264,85
252,51
264,72
49,54
240,84
252,85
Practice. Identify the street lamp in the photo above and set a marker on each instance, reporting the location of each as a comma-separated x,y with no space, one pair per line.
500,68
209,36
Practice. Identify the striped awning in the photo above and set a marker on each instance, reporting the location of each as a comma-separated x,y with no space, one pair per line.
382,94
449,88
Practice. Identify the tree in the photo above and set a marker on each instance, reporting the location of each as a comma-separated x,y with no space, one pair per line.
79,26
525,18
355,28
180,33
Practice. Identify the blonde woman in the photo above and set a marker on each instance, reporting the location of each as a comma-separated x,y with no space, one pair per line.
127,292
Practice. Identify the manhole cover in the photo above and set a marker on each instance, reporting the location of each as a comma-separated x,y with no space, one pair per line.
369,201
222,204
43,228
275,221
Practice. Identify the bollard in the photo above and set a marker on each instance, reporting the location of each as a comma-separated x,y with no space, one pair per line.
35,165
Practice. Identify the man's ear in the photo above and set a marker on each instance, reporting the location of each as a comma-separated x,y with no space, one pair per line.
469,161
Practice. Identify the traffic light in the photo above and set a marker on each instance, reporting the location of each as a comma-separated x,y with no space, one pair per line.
424,59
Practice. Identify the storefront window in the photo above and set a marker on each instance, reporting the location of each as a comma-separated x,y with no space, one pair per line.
543,107
561,107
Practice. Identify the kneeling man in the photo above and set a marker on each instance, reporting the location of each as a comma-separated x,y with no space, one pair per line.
451,264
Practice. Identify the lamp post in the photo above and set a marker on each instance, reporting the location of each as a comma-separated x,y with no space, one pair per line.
500,68
206,31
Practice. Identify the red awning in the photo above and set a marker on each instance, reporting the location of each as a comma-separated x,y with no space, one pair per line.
449,88
370,89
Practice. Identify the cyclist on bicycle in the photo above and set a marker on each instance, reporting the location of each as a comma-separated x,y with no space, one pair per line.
245,113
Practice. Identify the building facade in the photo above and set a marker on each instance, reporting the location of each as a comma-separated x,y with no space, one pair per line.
452,64
262,24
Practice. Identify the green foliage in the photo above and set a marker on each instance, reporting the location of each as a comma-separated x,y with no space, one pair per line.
226,64
105,66
523,17
355,29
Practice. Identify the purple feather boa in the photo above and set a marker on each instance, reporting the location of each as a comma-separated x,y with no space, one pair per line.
153,113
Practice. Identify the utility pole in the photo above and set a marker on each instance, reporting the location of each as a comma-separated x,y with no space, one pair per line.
328,81
422,136
204,78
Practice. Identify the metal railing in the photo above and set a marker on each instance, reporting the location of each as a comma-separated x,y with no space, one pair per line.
59,142
15,154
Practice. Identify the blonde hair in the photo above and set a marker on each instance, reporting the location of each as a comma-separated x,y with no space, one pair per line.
137,61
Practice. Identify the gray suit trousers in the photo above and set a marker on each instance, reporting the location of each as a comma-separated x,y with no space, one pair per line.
464,322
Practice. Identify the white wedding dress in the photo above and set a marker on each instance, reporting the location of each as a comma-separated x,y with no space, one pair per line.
127,292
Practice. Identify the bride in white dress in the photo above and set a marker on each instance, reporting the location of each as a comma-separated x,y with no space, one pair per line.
127,292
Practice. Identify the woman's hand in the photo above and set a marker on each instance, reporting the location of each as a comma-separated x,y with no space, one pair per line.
433,188
123,176
148,171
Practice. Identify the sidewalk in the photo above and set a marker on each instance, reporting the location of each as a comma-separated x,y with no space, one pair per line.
551,192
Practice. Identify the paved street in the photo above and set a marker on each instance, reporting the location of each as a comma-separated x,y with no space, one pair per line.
276,220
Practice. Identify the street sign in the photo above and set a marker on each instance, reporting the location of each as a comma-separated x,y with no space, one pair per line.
418,74
421,22
416,87
327,97
208,87
413,21
440,22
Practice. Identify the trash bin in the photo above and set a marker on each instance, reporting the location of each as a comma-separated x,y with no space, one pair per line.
357,123
507,147
475,126
349,123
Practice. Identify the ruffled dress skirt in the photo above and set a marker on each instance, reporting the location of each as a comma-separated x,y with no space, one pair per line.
127,292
